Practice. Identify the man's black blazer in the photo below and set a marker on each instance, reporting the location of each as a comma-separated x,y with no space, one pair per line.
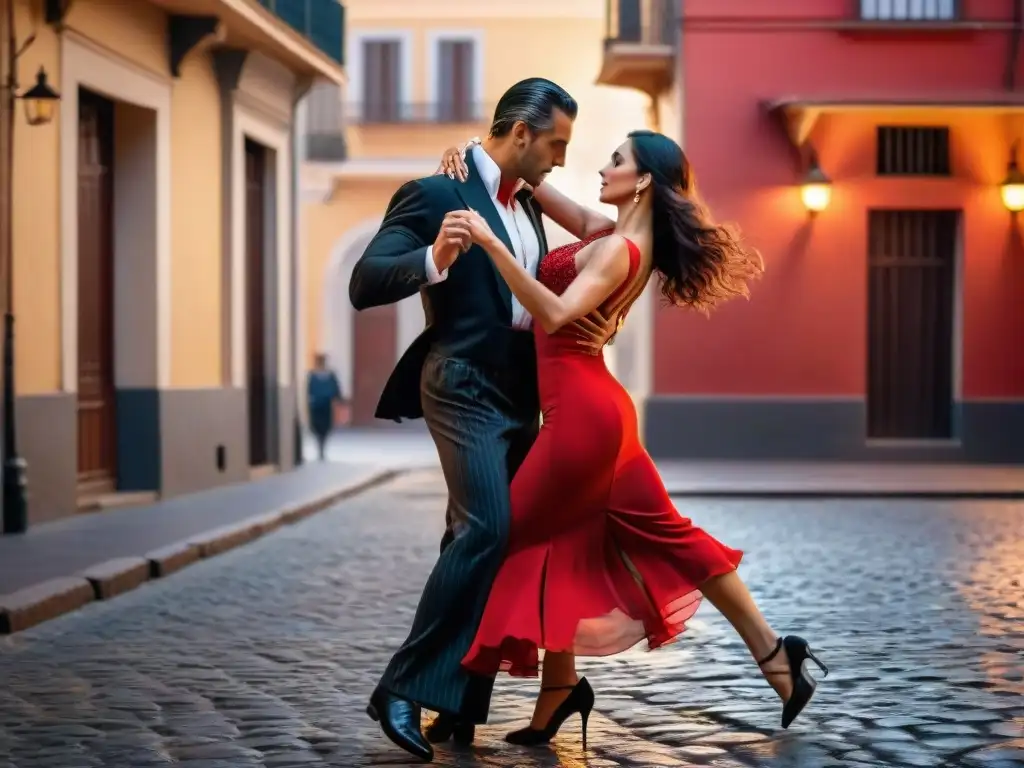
468,315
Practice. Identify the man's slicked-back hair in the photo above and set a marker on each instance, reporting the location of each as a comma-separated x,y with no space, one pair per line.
533,101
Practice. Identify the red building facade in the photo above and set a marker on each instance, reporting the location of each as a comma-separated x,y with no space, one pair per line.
890,324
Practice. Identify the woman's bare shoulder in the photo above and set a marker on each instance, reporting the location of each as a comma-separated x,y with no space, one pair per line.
608,253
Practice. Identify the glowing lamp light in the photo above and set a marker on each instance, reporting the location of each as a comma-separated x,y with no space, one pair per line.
40,101
1012,188
816,189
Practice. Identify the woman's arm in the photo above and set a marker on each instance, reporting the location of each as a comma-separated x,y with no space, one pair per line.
605,270
578,220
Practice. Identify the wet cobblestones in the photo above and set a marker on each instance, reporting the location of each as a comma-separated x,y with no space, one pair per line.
265,656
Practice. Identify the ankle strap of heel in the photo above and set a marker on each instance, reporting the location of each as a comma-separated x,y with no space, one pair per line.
772,655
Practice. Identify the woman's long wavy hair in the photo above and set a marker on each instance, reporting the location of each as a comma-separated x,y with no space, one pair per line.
701,263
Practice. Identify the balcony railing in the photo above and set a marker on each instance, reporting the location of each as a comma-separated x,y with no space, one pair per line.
322,21
645,22
640,45
399,113
910,11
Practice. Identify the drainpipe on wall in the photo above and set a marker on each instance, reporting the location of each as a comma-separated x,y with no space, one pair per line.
1010,75
298,159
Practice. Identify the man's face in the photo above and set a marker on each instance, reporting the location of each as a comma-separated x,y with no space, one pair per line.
545,150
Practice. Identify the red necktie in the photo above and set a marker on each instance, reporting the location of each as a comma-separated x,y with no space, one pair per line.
506,190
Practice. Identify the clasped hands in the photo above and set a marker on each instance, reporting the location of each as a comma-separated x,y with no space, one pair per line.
462,229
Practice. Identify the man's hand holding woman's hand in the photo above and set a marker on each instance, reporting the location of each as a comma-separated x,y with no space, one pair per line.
480,232
460,230
453,239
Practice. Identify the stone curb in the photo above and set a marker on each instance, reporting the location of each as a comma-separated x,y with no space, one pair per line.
41,602
49,599
114,577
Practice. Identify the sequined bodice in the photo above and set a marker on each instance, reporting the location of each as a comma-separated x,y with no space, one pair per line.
557,269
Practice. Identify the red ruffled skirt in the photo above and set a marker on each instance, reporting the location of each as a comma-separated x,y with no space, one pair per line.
598,560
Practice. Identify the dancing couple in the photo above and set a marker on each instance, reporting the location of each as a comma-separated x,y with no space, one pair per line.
560,537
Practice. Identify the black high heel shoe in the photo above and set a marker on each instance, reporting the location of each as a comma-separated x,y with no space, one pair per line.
797,652
579,702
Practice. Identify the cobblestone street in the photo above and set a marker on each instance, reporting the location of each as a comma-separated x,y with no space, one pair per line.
265,656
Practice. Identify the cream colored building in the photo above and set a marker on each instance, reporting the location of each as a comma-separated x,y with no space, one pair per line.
153,247
423,75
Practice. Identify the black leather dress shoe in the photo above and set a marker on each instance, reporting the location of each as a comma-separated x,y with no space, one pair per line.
446,727
400,721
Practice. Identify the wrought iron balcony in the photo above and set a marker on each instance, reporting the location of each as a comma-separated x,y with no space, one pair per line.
322,21
640,44
910,11
404,113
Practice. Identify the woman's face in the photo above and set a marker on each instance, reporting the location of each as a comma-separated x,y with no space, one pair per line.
619,178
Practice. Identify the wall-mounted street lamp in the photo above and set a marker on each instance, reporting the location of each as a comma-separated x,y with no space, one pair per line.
40,101
40,104
816,187
1012,188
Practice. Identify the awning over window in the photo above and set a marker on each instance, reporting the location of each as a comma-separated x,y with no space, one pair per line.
800,114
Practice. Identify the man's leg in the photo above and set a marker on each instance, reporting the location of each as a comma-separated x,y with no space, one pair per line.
472,434
445,726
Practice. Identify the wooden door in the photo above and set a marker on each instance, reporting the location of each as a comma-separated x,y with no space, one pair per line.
911,273
374,345
255,300
96,415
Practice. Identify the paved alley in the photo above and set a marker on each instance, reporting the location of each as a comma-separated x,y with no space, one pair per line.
265,656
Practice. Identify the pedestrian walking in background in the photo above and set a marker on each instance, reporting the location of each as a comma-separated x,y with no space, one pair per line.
323,394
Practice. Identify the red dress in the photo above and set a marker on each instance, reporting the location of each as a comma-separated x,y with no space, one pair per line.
598,557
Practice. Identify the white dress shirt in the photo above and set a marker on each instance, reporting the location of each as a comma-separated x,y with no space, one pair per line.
517,223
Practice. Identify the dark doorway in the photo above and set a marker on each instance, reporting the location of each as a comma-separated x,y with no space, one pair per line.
375,339
97,460
911,285
256,323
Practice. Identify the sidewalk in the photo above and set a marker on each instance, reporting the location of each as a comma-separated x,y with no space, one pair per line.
57,567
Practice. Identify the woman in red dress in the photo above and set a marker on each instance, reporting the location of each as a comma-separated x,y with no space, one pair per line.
599,559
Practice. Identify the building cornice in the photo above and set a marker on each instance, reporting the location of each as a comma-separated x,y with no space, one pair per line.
472,11
248,24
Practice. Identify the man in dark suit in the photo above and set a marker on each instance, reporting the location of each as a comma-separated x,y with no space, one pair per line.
472,376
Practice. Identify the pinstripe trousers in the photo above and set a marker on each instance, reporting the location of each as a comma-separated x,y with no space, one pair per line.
483,421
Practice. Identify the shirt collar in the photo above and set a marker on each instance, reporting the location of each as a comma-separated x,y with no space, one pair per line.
490,173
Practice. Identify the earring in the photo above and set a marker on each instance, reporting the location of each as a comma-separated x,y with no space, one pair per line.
636,197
